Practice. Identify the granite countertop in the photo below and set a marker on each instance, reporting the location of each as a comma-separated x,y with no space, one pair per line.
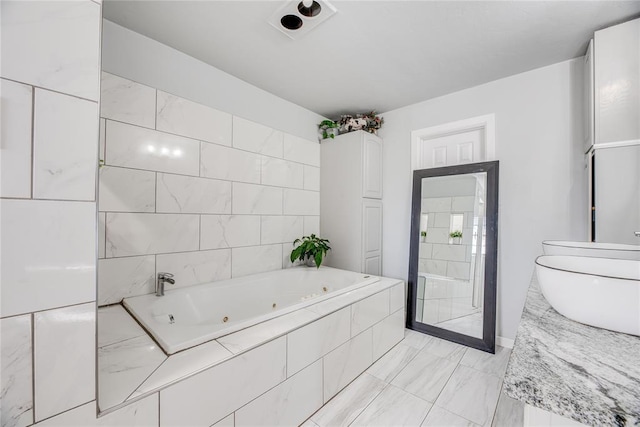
588,374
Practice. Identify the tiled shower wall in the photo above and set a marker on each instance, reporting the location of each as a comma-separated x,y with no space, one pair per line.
196,192
50,90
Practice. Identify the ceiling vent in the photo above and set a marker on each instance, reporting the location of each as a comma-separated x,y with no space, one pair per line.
297,18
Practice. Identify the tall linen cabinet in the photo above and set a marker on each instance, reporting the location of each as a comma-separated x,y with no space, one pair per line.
351,201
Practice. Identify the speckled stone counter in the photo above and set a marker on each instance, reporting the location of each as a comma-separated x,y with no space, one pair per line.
587,374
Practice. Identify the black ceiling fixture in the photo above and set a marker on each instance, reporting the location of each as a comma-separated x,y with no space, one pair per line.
291,22
310,11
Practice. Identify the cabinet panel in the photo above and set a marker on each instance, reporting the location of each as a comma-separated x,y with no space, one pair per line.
373,265
372,167
371,227
617,186
588,98
617,83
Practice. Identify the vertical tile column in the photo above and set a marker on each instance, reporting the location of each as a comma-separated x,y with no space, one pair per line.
49,88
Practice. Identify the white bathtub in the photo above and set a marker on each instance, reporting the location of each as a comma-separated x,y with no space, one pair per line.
186,317
591,249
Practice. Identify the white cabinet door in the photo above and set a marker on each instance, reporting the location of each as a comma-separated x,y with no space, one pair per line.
372,237
588,98
617,83
617,194
372,167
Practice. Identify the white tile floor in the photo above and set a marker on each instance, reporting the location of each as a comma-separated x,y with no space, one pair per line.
426,381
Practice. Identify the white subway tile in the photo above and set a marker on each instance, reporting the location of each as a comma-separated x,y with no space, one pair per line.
15,162
64,364
436,204
301,150
301,202
255,137
387,333
281,229
140,148
182,364
227,163
126,190
52,258
256,199
16,380
459,270
127,101
346,362
282,173
313,341
101,234
213,394
55,45
102,138
311,225
116,324
192,268
140,233
120,278
447,252
369,311
311,178
65,144
143,413
185,194
229,231
183,117
287,404
123,366
256,259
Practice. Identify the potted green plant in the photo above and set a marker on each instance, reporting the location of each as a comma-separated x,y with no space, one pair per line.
310,249
423,235
328,129
456,237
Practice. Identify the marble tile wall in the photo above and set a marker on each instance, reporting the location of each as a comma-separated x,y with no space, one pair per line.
194,191
49,85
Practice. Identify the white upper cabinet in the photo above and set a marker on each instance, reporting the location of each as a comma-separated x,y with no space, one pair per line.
371,166
617,83
588,98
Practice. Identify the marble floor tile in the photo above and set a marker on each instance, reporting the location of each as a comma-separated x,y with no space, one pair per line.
394,407
439,417
467,325
425,376
390,365
471,394
349,403
509,413
415,339
494,364
445,349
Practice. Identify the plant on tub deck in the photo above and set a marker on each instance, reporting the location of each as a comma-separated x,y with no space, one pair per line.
310,248
455,234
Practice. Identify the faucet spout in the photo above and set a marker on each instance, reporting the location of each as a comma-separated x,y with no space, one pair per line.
161,280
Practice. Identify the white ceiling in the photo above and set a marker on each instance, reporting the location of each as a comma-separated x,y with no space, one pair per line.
377,55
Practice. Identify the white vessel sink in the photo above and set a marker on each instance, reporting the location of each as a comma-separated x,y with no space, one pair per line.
592,249
599,292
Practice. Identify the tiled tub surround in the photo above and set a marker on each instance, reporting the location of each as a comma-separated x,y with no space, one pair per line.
49,87
587,374
196,192
310,354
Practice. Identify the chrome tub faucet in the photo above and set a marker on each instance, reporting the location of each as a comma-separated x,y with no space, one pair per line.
162,279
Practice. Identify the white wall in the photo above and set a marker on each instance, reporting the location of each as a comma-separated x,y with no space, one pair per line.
542,191
136,57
